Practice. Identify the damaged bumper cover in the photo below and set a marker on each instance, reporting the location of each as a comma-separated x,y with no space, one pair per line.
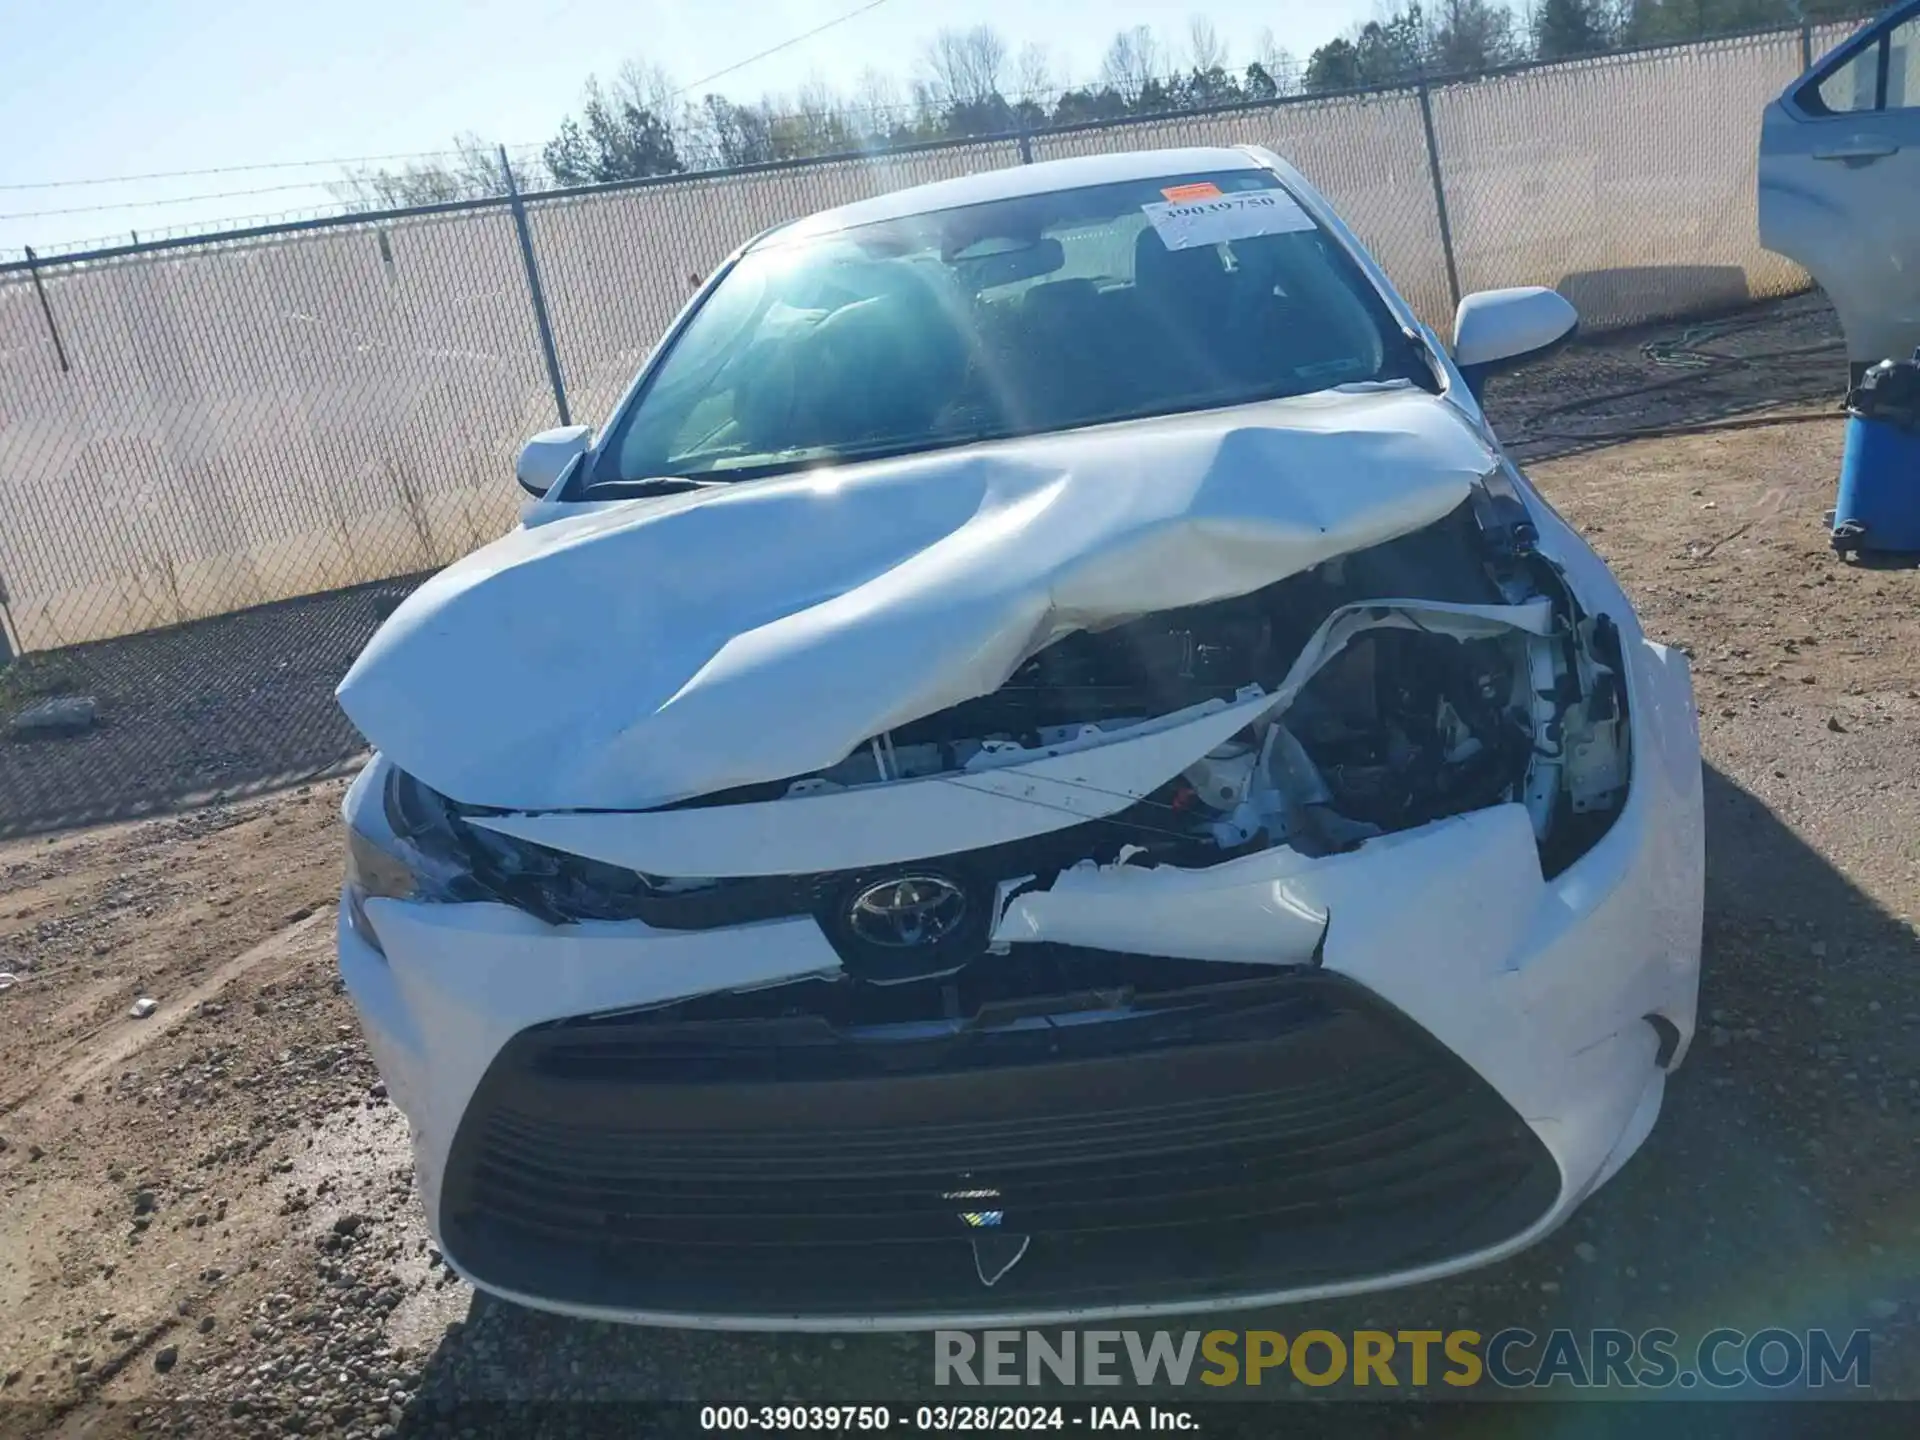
1444,1033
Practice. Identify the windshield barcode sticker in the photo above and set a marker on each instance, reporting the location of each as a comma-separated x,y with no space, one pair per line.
1226,217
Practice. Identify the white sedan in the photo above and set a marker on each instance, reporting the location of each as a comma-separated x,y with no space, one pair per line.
1043,765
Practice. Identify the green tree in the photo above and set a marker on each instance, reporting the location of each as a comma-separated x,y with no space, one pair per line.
1078,106
568,157
1334,66
1564,28
1157,95
1649,22
1470,37
729,135
990,115
612,140
1133,61
1213,86
1381,52
1392,50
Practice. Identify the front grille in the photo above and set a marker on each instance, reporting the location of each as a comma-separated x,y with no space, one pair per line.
1228,1139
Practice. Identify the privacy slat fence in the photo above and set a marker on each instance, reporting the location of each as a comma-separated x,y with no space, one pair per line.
235,420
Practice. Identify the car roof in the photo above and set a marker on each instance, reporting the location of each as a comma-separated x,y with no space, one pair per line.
1013,181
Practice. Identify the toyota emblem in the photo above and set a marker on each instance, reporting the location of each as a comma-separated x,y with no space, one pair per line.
907,911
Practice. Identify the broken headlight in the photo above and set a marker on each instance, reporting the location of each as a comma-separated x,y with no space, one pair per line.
401,845
406,842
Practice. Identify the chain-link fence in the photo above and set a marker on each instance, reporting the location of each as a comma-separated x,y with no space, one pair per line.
201,427
1628,182
241,423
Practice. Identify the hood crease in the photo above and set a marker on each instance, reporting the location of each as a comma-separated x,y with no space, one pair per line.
649,653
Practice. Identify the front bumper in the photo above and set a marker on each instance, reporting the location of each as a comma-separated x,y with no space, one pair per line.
1474,1055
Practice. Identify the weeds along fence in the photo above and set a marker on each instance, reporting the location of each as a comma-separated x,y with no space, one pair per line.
199,426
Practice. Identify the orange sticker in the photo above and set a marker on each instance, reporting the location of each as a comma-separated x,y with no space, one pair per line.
1200,190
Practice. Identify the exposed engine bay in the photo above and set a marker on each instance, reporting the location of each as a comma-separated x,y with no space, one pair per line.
1405,724
1482,684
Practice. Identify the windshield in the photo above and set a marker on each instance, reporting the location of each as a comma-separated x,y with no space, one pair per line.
1026,315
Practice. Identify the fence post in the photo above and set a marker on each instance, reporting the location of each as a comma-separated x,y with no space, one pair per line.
59,350
1439,195
1025,139
10,647
533,289
1806,45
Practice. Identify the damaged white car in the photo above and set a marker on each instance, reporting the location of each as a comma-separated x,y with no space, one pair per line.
1043,765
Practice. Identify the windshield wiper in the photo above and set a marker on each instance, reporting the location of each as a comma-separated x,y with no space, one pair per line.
651,485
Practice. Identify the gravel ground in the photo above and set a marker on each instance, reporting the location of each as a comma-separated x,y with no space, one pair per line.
208,1220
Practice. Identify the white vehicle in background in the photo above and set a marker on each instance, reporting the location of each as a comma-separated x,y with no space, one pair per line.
1840,183
1043,765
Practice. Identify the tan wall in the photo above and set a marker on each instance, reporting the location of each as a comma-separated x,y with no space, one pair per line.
247,422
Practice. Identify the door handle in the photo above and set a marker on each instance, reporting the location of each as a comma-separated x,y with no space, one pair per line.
1863,151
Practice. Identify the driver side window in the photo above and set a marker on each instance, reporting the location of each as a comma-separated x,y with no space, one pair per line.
1903,66
1882,74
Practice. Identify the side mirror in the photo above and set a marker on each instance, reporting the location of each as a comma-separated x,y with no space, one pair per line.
1495,329
545,458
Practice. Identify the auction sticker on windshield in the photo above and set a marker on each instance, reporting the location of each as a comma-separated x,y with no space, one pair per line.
1199,190
1185,224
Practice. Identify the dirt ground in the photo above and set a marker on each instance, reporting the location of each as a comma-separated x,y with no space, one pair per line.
214,1204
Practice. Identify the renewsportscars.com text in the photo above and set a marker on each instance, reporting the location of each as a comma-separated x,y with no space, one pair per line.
1513,1358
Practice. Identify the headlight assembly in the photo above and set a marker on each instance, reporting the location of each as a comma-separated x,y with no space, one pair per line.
405,842
401,845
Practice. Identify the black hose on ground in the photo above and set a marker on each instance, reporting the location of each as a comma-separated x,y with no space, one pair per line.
1702,365
1694,427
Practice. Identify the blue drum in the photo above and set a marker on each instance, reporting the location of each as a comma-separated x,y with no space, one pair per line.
1878,509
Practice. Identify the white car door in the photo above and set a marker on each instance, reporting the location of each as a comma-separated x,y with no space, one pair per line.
1840,183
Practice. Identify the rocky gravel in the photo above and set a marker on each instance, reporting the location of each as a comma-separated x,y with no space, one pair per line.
208,1222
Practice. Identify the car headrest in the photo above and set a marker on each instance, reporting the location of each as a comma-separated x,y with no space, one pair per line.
1191,280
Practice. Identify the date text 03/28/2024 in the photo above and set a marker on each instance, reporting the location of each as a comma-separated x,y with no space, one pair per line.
942,1419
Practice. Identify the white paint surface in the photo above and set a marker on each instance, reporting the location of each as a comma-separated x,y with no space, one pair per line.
660,650
1497,326
1541,986
867,593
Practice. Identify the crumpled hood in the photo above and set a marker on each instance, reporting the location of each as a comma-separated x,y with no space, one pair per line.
659,650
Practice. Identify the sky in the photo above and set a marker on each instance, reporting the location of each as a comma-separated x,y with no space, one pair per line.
97,89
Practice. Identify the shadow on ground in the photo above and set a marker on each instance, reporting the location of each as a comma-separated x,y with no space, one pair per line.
1775,1191
1626,292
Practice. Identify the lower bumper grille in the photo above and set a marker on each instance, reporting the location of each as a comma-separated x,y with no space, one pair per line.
1229,1140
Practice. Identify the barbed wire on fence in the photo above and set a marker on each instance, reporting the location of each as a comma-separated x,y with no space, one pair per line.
710,134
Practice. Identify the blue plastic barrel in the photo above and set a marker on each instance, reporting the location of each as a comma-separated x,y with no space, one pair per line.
1878,509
